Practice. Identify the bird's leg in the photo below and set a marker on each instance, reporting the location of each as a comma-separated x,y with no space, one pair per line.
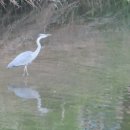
26,81
25,71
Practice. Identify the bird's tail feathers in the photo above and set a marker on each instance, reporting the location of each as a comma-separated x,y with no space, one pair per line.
10,65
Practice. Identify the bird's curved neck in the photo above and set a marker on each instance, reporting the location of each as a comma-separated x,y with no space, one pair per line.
38,46
38,43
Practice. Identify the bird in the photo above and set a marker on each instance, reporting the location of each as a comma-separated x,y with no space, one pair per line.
26,58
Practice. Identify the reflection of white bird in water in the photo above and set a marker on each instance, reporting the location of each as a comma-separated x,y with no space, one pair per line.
25,58
63,111
28,93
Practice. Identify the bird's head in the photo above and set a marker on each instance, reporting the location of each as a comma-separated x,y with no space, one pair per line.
44,35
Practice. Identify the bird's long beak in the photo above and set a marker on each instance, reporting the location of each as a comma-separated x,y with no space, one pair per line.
45,35
49,34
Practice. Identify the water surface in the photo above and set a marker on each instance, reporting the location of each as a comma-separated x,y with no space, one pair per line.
73,85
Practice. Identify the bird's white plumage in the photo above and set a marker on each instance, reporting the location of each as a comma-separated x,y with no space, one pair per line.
22,59
27,57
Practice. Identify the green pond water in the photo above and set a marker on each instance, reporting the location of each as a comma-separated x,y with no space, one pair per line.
80,86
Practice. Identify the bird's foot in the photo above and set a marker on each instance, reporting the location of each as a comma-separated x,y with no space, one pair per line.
25,74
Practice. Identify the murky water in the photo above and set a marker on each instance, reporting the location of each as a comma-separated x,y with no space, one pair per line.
79,85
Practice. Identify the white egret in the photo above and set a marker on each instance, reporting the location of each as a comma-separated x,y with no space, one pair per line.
26,58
